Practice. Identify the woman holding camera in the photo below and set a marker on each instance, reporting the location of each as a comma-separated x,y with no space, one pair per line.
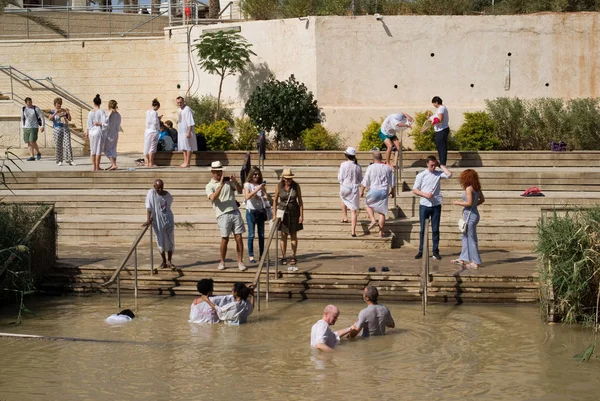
62,135
257,204
288,198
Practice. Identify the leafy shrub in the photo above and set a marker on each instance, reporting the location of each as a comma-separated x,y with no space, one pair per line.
318,138
204,109
425,140
478,132
544,121
217,135
584,123
370,136
508,114
245,133
287,107
569,258
261,9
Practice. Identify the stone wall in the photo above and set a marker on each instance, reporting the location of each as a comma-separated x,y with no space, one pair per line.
358,68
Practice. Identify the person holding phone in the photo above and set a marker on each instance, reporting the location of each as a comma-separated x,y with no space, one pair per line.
255,194
221,192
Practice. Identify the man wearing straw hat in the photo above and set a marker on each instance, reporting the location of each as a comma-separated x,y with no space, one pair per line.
221,192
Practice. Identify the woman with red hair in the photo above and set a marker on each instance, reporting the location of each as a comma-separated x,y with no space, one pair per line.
469,256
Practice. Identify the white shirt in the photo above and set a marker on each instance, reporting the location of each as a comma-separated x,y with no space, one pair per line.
322,334
152,123
256,202
444,124
235,312
203,313
379,176
390,125
116,319
29,119
430,182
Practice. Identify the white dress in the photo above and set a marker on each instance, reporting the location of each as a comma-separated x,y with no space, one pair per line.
112,134
163,221
378,178
350,177
151,133
185,119
95,131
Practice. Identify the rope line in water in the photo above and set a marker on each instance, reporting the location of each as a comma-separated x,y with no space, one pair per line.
55,338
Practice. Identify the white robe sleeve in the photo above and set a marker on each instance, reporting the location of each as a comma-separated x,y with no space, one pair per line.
189,117
90,121
227,313
149,200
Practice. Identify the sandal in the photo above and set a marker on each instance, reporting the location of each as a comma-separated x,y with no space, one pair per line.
163,265
284,261
343,221
293,261
373,224
171,266
251,259
471,266
457,262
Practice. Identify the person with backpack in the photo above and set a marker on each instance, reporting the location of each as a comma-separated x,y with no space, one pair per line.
32,121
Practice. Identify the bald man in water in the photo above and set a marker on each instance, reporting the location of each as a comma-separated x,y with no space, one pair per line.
321,336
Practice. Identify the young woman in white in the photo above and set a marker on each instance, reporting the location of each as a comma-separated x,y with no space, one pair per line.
255,194
151,133
96,124
236,312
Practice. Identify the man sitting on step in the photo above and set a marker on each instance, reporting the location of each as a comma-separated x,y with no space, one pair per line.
374,319
221,192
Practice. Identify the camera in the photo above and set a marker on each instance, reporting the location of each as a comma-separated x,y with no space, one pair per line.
225,179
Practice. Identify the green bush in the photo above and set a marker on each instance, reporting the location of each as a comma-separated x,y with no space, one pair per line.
217,135
584,123
261,9
287,107
478,132
422,141
204,109
318,138
569,261
508,114
370,136
245,134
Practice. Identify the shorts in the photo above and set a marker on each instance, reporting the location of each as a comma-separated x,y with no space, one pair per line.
231,223
30,134
383,136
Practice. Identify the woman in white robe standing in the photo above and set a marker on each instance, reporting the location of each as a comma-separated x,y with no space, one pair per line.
379,177
160,215
350,177
96,124
186,137
112,134
151,133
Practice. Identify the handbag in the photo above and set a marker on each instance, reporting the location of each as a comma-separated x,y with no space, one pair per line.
281,213
267,207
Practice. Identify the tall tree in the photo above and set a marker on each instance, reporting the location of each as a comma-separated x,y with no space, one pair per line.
223,53
214,8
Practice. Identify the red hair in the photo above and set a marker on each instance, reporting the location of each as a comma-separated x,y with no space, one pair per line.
470,178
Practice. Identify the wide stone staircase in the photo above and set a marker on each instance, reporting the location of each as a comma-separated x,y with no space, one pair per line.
104,210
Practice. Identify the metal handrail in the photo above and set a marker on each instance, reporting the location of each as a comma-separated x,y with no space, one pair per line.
425,269
145,22
265,258
229,5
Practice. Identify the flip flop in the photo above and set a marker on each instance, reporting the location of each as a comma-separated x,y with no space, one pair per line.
162,266
385,269
372,269
284,261
457,262
353,235
471,266
172,266
373,224
343,221
293,261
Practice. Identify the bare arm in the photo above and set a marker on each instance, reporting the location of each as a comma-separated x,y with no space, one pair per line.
323,347
216,194
148,218
300,203
238,186
344,332
251,194
275,200
468,196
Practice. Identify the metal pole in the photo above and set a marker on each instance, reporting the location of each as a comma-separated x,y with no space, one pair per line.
425,269
119,291
151,252
68,21
258,294
135,277
109,24
277,248
268,273
27,21
12,91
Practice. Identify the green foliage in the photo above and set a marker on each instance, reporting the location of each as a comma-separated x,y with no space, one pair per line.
217,135
319,138
422,141
370,136
287,107
478,132
245,133
205,109
223,53
261,9
532,124
569,258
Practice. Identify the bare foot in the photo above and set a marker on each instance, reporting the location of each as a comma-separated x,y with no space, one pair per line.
184,166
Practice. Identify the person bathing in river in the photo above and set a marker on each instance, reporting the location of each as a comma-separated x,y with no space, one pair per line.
235,312
200,311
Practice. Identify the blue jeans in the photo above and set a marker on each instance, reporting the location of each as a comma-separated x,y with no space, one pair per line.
251,220
435,213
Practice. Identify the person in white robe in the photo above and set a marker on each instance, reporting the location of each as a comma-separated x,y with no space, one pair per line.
158,205
186,137
379,178
200,311
151,133
112,134
96,125
235,312
350,177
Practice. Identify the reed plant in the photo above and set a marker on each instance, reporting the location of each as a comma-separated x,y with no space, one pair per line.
569,264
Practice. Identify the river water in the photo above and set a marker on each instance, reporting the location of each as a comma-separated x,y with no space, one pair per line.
454,353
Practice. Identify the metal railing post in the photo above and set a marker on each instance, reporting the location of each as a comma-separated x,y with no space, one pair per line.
277,249
258,294
268,273
68,22
151,252
425,268
109,24
119,292
27,22
12,90
135,276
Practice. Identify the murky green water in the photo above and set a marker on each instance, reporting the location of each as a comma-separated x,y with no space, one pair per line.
454,353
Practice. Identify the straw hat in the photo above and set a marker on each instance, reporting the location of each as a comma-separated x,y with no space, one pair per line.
287,173
216,166
350,151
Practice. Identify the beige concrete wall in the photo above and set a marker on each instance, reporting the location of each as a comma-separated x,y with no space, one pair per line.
130,71
350,63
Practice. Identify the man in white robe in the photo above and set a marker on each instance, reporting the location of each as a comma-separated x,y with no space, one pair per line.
186,137
379,179
160,215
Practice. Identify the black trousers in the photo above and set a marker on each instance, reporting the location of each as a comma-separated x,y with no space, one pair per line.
441,143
